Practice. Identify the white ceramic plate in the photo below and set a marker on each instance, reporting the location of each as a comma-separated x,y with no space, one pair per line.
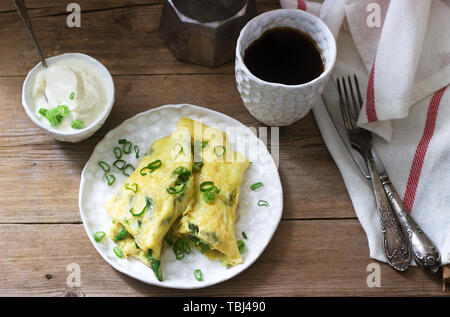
258,222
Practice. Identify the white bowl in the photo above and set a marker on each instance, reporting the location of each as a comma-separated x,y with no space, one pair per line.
77,135
278,104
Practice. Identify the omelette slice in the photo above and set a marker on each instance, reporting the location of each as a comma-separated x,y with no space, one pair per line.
154,196
218,173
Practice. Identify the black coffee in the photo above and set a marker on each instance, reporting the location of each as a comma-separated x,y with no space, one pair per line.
284,55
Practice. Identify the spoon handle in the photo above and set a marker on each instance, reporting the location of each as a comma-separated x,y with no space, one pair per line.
20,6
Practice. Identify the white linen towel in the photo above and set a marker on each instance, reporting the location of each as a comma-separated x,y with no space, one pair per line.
400,51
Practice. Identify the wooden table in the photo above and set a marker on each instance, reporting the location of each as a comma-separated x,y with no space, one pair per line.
319,248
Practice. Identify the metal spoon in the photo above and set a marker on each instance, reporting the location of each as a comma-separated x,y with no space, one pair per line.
20,6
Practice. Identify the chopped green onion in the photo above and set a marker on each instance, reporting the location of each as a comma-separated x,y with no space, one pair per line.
119,164
118,252
99,235
256,186
117,152
136,150
209,196
206,186
127,167
194,228
178,188
244,235
136,245
148,203
205,248
121,235
133,187
127,147
110,179
263,203
43,112
183,173
197,166
156,265
168,238
123,141
180,248
104,166
77,124
72,95
198,275
151,167
55,115
241,246
219,152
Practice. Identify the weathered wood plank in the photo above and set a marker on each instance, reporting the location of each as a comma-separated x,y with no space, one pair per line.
49,171
313,258
124,38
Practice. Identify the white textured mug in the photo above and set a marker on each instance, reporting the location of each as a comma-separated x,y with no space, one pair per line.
277,104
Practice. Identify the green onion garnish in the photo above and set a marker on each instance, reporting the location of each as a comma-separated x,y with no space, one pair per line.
178,188
263,203
123,141
121,235
156,265
198,275
197,166
206,186
104,166
77,124
256,186
136,245
55,115
148,203
118,252
168,238
183,173
209,196
133,187
241,246
99,235
110,179
127,147
244,235
151,167
194,228
219,150
205,248
180,248
119,164
117,152
128,167
43,112
136,150
72,95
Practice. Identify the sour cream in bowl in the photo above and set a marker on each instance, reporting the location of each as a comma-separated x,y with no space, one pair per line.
71,98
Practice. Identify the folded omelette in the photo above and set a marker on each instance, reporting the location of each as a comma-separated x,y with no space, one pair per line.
217,169
152,198
188,183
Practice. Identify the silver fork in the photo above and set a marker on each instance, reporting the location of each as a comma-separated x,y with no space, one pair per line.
395,246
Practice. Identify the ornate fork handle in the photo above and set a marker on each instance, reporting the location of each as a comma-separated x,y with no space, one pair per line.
394,245
423,250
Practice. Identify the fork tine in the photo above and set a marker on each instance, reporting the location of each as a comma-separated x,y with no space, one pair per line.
347,106
354,105
342,106
358,91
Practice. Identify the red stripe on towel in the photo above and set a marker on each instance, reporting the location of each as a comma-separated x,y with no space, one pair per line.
421,150
370,98
301,5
